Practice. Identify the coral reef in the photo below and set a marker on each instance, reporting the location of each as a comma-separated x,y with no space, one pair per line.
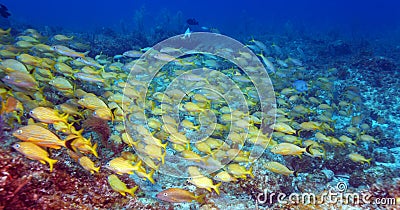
25,185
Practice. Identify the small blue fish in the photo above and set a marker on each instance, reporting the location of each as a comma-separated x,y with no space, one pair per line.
300,85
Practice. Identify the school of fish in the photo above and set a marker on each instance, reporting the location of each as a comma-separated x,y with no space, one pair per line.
48,88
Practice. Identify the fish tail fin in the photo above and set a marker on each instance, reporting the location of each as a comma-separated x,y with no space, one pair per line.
163,157
150,176
298,132
308,149
97,169
132,191
138,165
102,69
213,154
200,198
70,125
94,150
164,145
86,53
135,144
68,144
250,172
216,187
368,161
298,142
65,119
296,173
8,31
51,163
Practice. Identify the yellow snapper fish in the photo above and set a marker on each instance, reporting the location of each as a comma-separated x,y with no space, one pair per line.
284,128
34,152
359,158
63,50
239,171
48,115
92,102
155,151
33,33
90,61
118,186
5,32
89,78
26,38
205,183
290,149
121,166
64,69
279,168
42,48
10,65
62,84
62,38
133,54
39,135
77,142
317,149
88,164
190,155
224,176
32,60
176,195
104,114
23,44
368,138
70,109
267,63
142,173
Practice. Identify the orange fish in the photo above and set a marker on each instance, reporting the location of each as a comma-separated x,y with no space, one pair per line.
10,105
34,152
39,135
176,195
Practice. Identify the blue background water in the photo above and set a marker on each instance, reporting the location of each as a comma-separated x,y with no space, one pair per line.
356,17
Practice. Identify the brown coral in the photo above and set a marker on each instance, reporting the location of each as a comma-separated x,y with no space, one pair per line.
99,126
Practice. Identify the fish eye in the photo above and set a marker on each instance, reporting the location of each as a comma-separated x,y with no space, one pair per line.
19,132
108,165
165,194
31,112
17,146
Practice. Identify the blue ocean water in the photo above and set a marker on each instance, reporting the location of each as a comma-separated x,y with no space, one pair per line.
230,17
